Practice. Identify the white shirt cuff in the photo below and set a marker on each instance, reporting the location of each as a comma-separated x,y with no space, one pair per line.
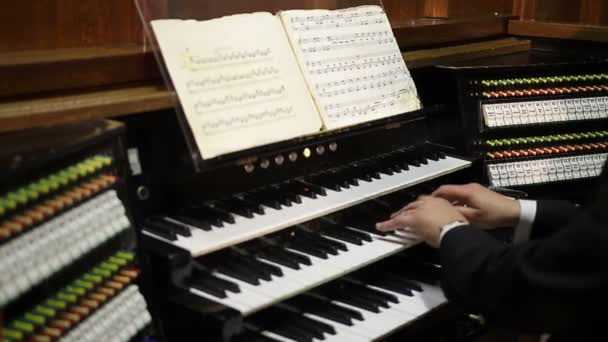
449,227
527,215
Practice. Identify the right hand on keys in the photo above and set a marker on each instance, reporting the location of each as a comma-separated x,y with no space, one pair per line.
480,205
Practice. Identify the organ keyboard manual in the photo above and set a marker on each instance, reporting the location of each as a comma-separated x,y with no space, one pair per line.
68,264
267,231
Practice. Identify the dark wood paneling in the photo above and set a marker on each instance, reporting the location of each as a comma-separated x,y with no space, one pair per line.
466,52
92,105
594,12
533,28
49,24
40,71
433,32
399,10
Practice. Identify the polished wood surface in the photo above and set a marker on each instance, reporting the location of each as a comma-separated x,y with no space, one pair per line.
432,32
53,24
23,114
534,28
585,12
73,69
428,57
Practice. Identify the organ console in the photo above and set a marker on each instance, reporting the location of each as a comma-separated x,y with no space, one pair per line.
275,243
237,248
68,268
538,127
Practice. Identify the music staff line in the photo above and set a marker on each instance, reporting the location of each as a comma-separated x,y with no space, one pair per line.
356,66
322,26
347,37
339,16
348,81
336,60
355,102
380,101
252,119
361,87
223,110
244,97
231,56
348,45
235,85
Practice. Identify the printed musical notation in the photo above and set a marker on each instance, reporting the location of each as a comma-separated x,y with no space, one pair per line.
232,79
351,54
233,123
237,80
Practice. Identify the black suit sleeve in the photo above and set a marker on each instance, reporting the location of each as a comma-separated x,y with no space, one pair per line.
549,285
551,216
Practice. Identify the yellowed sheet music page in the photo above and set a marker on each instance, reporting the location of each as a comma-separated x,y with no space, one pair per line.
352,64
237,80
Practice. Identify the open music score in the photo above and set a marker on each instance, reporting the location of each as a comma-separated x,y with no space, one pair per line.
252,79
352,64
238,87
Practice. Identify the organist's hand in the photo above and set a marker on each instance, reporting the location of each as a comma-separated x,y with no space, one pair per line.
481,205
424,217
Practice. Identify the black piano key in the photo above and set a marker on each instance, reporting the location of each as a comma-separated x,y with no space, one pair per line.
319,190
307,249
323,308
257,208
262,266
295,257
200,224
251,336
264,197
292,332
210,284
322,180
393,286
405,282
234,205
239,272
253,266
279,257
340,294
313,325
179,229
315,328
281,322
201,284
316,242
224,215
372,293
160,230
334,245
203,214
341,235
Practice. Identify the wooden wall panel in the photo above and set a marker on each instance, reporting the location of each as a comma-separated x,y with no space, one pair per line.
592,12
50,24
213,9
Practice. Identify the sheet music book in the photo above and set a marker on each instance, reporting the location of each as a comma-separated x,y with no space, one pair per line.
252,79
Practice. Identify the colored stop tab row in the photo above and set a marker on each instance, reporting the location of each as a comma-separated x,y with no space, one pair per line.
544,80
54,317
533,152
33,191
544,92
19,223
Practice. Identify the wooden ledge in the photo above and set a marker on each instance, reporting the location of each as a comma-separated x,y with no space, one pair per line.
532,28
79,107
458,53
31,72
431,32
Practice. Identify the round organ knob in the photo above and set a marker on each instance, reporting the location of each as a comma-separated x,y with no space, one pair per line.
320,150
249,168
333,147
279,159
293,156
265,163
